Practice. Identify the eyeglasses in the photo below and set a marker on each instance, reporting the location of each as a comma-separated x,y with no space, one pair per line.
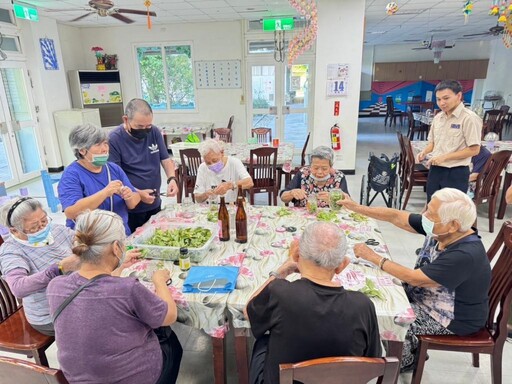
36,227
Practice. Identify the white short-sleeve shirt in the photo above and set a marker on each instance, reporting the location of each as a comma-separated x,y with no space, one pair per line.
233,171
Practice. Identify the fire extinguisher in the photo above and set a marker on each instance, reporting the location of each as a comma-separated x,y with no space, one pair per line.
335,137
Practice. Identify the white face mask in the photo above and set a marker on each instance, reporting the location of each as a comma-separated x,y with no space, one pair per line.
120,259
428,227
325,178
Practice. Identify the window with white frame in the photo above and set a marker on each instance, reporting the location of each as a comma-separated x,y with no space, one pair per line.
166,76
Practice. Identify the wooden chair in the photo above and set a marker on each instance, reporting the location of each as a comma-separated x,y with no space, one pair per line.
24,372
419,128
288,175
392,113
488,183
263,170
415,174
16,334
490,120
264,135
490,339
498,128
224,134
190,161
230,122
341,370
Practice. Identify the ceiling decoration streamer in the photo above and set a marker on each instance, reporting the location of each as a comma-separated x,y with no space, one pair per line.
306,37
467,10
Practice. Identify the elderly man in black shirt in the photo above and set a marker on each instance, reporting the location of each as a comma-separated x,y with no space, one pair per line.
312,317
448,287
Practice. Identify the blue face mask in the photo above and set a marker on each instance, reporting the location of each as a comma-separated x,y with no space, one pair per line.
428,227
41,236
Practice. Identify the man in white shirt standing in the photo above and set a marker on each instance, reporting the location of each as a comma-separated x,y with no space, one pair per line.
454,138
219,175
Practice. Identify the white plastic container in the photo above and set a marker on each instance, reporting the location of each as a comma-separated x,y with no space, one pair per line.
172,253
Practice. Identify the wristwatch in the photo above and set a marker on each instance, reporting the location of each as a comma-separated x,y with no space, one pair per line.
274,274
171,178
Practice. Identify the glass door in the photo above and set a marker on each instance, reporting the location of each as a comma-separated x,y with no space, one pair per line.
20,145
280,98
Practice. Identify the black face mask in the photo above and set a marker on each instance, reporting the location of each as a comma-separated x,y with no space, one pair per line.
140,133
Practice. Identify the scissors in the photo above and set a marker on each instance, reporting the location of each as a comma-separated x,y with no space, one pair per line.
371,242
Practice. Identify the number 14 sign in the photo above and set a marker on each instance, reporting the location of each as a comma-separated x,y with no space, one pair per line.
337,78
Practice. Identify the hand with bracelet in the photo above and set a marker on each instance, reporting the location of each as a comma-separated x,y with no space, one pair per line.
362,251
172,186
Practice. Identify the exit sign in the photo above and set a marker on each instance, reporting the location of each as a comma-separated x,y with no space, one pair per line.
285,24
24,12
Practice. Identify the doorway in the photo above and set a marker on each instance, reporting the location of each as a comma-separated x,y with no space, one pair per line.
280,97
20,148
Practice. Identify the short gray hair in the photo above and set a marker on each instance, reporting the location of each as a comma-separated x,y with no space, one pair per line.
84,137
19,214
323,153
137,106
324,244
456,205
95,231
210,145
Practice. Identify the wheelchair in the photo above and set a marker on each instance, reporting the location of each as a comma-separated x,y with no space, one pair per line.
382,179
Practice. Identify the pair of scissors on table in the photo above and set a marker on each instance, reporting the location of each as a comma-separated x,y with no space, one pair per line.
371,242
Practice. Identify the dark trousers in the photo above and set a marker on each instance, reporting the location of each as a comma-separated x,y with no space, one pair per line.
138,219
442,177
171,352
259,354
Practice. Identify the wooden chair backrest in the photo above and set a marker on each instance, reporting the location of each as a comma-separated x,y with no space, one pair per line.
491,119
264,135
390,104
224,134
24,372
489,179
500,292
8,303
262,166
303,154
341,370
190,159
230,122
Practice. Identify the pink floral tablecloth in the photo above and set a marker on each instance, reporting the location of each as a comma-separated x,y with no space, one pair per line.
265,251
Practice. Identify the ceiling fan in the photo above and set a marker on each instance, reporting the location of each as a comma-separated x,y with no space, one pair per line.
433,44
105,8
493,31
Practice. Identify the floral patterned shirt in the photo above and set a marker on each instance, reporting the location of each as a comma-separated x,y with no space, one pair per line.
304,181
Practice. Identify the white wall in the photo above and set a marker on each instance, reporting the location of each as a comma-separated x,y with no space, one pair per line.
339,41
50,87
210,41
73,52
498,73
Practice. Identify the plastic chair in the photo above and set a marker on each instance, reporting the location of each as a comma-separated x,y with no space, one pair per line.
264,135
263,170
16,334
490,339
190,161
48,181
488,183
24,372
341,370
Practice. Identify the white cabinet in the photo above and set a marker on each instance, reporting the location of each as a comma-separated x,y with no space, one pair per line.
65,121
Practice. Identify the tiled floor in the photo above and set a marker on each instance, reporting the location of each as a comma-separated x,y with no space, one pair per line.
442,367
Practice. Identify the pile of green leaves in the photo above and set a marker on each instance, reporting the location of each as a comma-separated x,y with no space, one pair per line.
358,218
283,212
371,290
327,216
180,237
212,216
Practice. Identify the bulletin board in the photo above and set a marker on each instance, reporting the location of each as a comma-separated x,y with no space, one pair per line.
214,74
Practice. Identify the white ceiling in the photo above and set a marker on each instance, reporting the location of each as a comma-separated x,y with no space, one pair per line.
415,20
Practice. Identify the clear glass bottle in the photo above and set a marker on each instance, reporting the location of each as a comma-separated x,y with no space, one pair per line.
184,260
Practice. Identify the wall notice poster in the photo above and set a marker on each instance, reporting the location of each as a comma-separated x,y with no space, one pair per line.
218,74
48,53
337,79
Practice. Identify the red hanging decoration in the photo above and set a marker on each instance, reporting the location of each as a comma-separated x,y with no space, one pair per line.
147,4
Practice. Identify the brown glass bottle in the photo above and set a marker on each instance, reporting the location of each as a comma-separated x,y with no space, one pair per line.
223,220
241,221
240,193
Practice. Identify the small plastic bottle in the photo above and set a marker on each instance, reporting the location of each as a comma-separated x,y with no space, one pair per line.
184,260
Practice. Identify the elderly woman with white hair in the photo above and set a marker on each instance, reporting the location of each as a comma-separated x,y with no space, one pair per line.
316,179
35,253
312,317
448,287
219,174
110,329
91,181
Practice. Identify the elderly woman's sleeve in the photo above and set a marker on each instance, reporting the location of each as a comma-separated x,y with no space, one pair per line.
22,284
293,184
201,179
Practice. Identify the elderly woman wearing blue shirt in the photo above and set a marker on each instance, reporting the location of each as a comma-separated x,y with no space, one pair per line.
91,181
